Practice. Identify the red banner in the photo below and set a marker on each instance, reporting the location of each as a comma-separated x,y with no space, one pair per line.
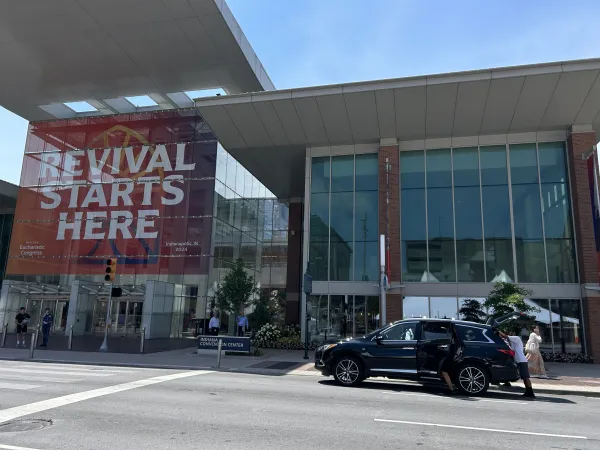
137,187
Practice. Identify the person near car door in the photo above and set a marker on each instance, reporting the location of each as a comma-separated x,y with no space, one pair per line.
447,366
517,345
534,356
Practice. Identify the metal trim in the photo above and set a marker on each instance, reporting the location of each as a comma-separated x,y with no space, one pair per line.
512,214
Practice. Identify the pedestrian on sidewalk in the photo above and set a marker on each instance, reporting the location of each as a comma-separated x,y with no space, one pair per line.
47,322
517,345
534,356
242,324
21,320
213,325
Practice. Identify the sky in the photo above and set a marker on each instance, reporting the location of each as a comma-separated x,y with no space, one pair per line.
315,42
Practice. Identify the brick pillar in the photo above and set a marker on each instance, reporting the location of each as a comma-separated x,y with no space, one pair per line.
293,294
389,222
580,143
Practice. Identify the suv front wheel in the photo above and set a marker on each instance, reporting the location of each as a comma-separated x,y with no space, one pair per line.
348,371
472,379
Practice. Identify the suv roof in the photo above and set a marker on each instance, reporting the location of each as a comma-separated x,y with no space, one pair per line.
429,319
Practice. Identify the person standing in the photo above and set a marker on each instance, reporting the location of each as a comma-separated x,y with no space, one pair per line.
47,322
21,320
517,345
242,324
213,325
534,356
447,366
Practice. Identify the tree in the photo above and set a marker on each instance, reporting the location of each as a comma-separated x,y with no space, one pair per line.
235,293
508,297
472,310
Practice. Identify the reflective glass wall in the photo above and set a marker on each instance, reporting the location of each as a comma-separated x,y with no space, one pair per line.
485,214
344,218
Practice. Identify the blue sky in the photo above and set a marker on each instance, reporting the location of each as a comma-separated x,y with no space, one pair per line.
312,42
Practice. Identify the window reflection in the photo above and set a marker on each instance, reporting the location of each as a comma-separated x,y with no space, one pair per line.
415,307
443,307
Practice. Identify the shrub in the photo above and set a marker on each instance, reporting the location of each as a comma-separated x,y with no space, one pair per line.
266,336
578,358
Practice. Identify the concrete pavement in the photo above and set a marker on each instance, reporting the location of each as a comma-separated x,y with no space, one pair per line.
166,409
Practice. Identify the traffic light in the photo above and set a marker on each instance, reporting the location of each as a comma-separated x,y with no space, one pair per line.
111,270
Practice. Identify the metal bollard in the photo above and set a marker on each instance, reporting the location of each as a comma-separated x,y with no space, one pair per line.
4,334
142,339
71,337
34,339
219,353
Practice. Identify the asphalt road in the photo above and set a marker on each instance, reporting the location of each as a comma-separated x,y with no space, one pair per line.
113,407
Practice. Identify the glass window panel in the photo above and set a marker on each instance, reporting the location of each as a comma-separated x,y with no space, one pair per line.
336,313
366,261
566,326
469,256
493,165
499,260
527,211
366,221
496,212
468,315
318,260
561,261
341,216
221,171
523,164
469,243
553,164
319,174
340,261
319,318
466,166
439,168
542,320
415,307
531,265
342,173
372,313
412,169
436,331
443,307
366,172
231,172
441,234
414,234
401,332
556,206
319,217
359,316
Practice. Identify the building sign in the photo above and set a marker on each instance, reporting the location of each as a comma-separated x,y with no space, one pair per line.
230,344
137,187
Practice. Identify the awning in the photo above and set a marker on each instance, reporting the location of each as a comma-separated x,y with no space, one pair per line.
269,131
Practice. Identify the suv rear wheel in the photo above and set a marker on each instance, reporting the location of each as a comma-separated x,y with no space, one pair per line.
472,379
348,371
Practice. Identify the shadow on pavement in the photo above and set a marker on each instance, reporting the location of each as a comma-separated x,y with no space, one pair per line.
435,390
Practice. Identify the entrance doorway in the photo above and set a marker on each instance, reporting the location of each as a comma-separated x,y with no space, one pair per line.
342,316
126,315
58,306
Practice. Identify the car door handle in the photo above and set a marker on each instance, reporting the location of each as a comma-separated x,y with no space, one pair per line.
408,348
442,347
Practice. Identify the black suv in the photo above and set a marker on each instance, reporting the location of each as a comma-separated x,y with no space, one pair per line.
415,348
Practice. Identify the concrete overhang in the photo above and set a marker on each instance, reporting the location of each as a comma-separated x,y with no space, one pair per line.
55,51
269,131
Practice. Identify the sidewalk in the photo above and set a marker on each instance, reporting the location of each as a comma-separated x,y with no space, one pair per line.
563,379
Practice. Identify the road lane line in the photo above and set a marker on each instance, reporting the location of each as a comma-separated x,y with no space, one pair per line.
78,373
12,447
514,402
32,408
39,379
493,430
19,386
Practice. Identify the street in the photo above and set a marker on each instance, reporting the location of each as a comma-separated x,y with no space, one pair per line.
92,407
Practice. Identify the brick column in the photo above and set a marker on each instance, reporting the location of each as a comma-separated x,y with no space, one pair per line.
389,221
580,143
293,288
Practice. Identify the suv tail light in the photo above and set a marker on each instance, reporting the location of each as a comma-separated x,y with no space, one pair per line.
507,351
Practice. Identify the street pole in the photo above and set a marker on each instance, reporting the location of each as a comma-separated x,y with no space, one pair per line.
382,280
104,346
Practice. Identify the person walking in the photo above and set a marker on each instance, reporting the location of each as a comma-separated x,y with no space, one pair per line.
213,325
47,322
517,345
21,320
534,356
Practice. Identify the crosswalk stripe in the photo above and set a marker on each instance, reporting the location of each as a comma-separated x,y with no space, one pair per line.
19,386
57,372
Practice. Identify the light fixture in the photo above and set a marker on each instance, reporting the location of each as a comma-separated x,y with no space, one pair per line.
141,101
80,107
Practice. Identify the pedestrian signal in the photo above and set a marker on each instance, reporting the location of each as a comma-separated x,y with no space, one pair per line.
111,270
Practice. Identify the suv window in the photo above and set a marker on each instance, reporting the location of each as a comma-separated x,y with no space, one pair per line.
436,331
401,332
468,333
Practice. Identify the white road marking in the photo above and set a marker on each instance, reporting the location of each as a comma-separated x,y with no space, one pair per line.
60,372
473,399
47,366
32,408
19,386
12,447
494,430
39,379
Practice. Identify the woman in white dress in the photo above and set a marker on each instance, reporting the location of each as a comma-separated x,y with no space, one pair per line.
534,357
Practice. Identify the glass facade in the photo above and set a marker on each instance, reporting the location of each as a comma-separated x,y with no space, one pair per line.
486,214
344,224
